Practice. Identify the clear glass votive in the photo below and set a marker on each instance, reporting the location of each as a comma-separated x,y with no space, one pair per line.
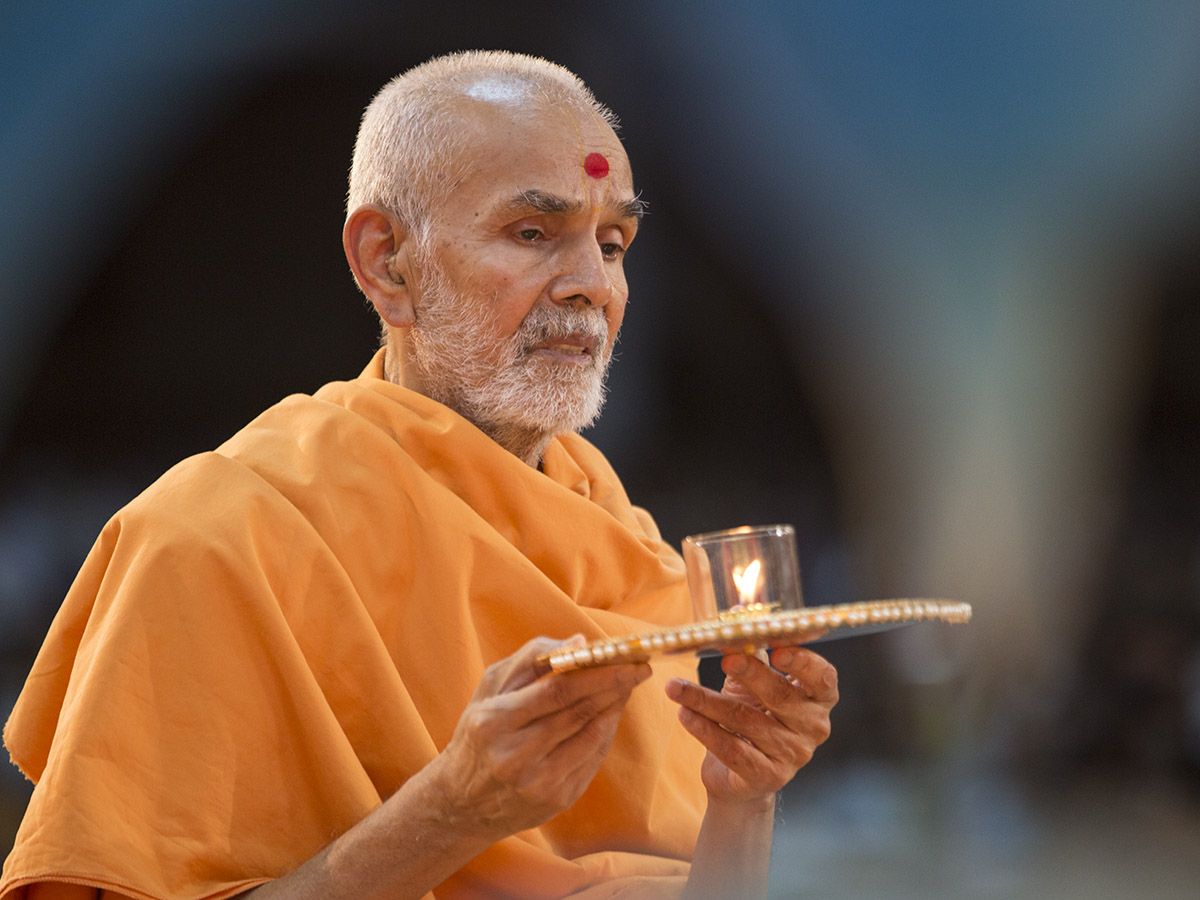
742,571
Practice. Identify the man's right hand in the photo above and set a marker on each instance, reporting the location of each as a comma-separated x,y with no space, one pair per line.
525,748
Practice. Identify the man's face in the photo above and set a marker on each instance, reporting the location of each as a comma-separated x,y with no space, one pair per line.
521,291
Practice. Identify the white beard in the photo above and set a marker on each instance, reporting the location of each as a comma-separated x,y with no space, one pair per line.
497,383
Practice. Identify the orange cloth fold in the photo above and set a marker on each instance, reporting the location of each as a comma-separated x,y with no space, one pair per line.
274,636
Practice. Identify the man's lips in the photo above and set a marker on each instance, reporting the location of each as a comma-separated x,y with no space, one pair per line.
573,348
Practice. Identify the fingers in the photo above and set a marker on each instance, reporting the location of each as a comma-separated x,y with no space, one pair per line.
808,671
525,747
561,774
587,690
586,748
798,675
564,724
765,724
510,702
738,754
734,716
517,670
753,677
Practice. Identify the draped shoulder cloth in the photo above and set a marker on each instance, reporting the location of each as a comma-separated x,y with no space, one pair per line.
274,636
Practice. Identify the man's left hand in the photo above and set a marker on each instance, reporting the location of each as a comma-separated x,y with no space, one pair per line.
765,723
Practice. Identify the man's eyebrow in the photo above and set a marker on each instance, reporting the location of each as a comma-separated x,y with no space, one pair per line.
545,202
553,204
634,209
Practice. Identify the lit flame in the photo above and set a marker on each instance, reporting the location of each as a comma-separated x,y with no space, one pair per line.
748,579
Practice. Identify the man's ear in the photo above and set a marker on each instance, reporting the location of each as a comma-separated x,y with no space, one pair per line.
377,247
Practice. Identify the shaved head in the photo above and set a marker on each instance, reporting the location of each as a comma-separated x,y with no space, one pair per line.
408,154
491,205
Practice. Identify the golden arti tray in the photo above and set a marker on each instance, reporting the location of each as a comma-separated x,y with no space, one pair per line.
750,630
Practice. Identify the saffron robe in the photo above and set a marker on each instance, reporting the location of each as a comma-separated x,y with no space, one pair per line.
274,636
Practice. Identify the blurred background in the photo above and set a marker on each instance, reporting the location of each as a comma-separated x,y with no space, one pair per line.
920,278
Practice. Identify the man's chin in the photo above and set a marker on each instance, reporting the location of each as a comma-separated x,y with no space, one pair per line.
553,424
552,415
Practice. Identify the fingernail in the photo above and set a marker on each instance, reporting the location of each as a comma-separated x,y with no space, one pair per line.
675,688
785,656
830,678
575,640
736,665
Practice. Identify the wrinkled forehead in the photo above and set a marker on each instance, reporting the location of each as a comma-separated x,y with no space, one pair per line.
512,126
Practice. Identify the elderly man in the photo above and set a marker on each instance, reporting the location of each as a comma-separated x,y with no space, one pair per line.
302,665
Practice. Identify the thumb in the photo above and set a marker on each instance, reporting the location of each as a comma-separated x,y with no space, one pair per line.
524,669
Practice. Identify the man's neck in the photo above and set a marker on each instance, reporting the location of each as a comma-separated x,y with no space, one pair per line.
525,444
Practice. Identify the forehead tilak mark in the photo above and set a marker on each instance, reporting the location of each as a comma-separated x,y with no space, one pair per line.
596,165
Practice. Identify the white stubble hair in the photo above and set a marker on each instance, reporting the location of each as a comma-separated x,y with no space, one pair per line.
493,381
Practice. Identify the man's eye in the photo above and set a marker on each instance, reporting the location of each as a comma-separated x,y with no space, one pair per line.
530,234
611,250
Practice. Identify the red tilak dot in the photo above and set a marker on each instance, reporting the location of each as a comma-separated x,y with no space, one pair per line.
595,165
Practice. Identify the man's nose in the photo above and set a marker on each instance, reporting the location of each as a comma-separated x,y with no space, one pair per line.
583,277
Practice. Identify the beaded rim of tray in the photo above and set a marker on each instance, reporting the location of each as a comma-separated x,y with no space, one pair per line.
751,630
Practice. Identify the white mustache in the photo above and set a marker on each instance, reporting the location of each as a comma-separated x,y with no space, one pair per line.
547,324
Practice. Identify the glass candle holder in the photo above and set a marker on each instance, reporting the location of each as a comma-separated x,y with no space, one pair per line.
743,571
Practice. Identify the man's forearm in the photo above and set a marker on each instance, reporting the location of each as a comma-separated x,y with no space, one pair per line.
733,851
524,749
405,848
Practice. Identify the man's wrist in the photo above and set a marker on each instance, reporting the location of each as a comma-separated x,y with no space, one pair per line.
440,794
439,801
761,804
